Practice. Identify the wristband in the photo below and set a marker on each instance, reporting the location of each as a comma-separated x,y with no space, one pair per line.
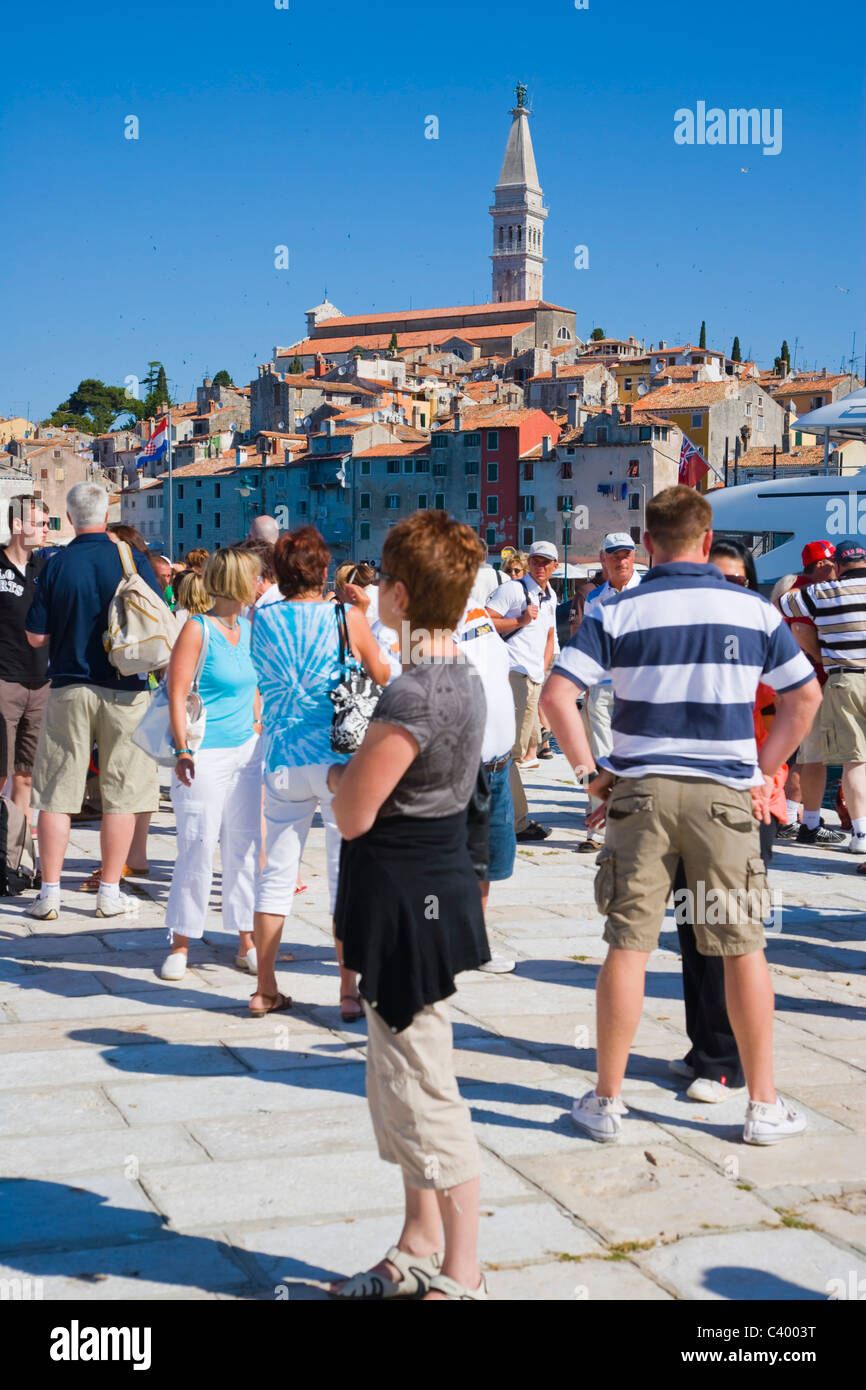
179,753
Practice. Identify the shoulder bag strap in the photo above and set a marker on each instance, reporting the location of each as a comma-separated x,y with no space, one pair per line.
343,630
202,656
126,560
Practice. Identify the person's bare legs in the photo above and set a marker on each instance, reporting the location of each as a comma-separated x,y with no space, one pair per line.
21,785
459,1209
53,839
348,984
137,858
267,930
421,1233
749,998
618,1003
854,789
813,784
115,838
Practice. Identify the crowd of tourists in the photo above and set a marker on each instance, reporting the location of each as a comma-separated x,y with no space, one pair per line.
406,708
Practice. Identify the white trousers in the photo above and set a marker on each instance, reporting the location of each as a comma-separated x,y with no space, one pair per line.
291,797
222,807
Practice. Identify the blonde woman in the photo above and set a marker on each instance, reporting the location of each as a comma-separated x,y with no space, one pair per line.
191,595
216,791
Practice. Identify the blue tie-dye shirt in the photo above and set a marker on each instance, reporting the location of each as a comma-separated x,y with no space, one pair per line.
296,652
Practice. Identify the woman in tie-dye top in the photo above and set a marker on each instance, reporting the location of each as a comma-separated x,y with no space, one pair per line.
296,653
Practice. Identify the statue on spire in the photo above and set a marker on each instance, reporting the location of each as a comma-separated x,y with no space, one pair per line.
520,93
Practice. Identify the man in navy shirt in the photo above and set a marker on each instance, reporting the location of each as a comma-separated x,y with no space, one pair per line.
89,702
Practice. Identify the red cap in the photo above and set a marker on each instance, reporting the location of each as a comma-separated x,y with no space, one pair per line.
817,550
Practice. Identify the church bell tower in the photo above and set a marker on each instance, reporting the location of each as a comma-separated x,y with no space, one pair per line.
518,215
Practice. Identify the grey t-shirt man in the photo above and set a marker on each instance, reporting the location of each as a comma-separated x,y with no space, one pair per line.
441,704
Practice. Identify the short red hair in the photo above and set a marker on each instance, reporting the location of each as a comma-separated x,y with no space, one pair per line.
300,559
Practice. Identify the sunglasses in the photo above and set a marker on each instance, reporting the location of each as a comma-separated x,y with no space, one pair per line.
738,579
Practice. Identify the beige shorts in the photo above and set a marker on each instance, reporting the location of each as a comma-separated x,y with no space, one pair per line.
420,1120
652,823
844,722
811,750
76,717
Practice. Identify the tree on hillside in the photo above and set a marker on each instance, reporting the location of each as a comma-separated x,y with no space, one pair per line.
223,378
597,334
735,351
295,367
94,407
785,354
393,346
702,340
156,384
782,363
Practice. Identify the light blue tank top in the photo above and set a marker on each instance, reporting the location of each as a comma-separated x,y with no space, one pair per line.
296,651
227,686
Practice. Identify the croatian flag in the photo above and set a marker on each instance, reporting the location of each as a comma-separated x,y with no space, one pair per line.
157,446
693,465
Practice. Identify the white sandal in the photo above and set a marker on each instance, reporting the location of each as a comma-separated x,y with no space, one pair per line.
441,1283
418,1273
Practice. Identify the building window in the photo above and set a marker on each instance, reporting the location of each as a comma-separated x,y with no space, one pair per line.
180,492
748,407
365,501
472,501
217,490
601,434
54,523
422,501
58,475
528,472
198,531
565,469
493,472
198,506
393,466
561,502
439,441
439,501
472,439
634,468
302,509
634,532
440,470
760,424
697,420
490,535
798,439
627,383
634,501
492,505
408,465
216,520
198,482
422,465
645,432
365,468
392,501
471,466
364,531
563,333
180,521
527,503
45,474
423,420
528,535
493,440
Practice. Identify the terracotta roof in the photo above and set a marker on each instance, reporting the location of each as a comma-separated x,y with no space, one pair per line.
688,395
809,457
308,346
814,383
278,434
683,373
379,451
567,373
689,347
448,312
143,485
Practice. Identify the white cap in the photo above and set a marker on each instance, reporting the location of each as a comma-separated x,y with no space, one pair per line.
544,548
617,540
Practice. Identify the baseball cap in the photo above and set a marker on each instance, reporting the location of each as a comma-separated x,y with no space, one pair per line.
617,540
546,549
848,552
817,550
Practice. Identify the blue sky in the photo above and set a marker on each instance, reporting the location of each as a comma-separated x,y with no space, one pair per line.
305,127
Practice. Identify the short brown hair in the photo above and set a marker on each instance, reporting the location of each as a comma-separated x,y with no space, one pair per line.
677,518
437,559
129,534
364,574
232,573
300,559
265,555
196,559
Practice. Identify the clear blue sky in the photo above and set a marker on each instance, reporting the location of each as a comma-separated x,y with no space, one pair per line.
305,127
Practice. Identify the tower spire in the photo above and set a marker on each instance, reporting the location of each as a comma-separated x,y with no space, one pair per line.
518,214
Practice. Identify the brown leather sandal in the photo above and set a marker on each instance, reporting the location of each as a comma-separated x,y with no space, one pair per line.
280,1002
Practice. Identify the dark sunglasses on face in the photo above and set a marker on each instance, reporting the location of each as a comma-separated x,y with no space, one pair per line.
738,579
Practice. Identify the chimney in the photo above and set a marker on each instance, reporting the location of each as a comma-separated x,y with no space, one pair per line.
546,443
662,344
573,410
458,418
824,371
554,370
319,368
627,409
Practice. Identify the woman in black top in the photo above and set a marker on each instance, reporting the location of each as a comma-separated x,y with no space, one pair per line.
409,907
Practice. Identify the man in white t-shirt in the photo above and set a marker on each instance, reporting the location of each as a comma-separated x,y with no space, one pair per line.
490,657
523,612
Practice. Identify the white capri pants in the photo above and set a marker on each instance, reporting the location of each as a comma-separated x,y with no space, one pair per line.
222,807
291,797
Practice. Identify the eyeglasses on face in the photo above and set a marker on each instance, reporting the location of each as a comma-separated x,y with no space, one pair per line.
738,579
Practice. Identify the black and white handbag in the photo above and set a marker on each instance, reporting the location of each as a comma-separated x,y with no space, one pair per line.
354,698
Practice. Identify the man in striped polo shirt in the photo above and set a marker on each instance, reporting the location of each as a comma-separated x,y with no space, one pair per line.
685,652
837,607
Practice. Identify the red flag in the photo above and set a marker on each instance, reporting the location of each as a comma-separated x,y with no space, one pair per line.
693,465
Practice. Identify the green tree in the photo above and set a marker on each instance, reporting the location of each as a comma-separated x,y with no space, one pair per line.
702,340
223,379
735,351
393,346
785,354
94,407
295,368
156,382
597,334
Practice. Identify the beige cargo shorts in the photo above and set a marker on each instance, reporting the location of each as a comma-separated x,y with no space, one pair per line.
653,823
76,718
844,717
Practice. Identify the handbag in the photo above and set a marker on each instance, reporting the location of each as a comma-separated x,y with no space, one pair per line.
152,734
354,697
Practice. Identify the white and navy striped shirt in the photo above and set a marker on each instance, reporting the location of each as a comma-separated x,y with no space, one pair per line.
837,607
685,651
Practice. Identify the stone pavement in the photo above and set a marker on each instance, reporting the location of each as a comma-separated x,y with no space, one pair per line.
156,1142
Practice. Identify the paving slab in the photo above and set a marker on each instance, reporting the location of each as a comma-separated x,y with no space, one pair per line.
175,1267
98,1209
587,1281
784,1264
843,1218
93,1151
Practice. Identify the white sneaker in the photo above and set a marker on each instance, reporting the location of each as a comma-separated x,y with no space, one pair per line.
47,909
249,962
599,1116
529,763
174,966
769,1124
677,1067
498,965
115,905
857,844
713,1092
